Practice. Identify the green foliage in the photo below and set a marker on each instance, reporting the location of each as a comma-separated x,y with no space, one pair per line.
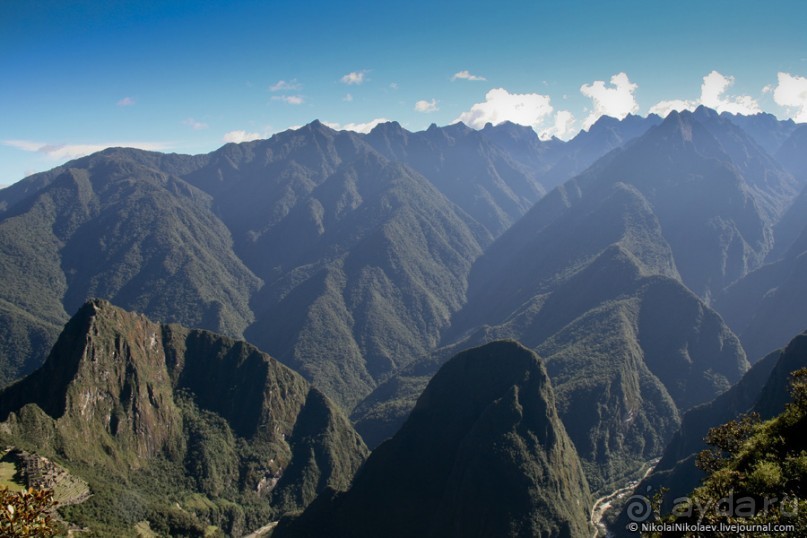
191,430
726,440
757,471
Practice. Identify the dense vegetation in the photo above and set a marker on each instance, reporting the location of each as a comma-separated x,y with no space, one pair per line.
365,262
757,470
483,453
183,429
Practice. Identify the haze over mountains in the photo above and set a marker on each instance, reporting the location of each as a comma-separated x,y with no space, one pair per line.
648,262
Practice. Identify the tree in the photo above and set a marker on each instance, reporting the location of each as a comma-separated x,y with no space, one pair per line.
27,513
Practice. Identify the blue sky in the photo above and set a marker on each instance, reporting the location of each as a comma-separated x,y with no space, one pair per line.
186,76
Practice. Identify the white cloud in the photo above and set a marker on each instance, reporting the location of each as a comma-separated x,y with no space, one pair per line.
530,109
466,75
713,95
563,127
617,101
290,99
791,92
393,85
663,108
282,86
240,136
426,106
63,152
126,101
354,78
195,125
348,97
356,127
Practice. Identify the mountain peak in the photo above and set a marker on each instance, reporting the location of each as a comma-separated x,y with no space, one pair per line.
482,454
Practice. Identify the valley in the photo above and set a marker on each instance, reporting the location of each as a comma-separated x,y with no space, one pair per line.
514,326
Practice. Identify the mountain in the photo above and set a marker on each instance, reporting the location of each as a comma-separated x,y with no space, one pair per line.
604,136
763,390
792,157
482,454
596,292
284,240
766,306
480,177
755,466
364,260
791,152
766,130
114,225
181,428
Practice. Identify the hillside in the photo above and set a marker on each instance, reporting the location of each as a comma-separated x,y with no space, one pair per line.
763,390
482,454
181,428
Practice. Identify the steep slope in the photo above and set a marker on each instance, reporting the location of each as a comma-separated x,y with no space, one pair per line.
627,345
364,262
708,212
766,129
114,225
771,185
151,415
763,389
348,244
604,136
793,156
757,468
767,306
791,153
482,454
482,179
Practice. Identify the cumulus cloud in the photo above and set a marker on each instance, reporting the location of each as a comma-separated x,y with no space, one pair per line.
126,101
530,109
289,99
663,108
195,125
617,101
284,86
791,93
63,152
466,75
354,78
348,97
713,95
426,106
563,127
356,127
240,136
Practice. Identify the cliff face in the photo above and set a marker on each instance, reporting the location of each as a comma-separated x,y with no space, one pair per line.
120,393
482,454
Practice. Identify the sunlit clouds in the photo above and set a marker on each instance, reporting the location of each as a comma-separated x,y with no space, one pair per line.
466,75
63,152
354,78
616,100
713,94
240,136
365,127
791,93
426,106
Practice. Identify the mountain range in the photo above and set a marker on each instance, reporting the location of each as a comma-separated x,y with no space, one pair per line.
181,428
648,262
